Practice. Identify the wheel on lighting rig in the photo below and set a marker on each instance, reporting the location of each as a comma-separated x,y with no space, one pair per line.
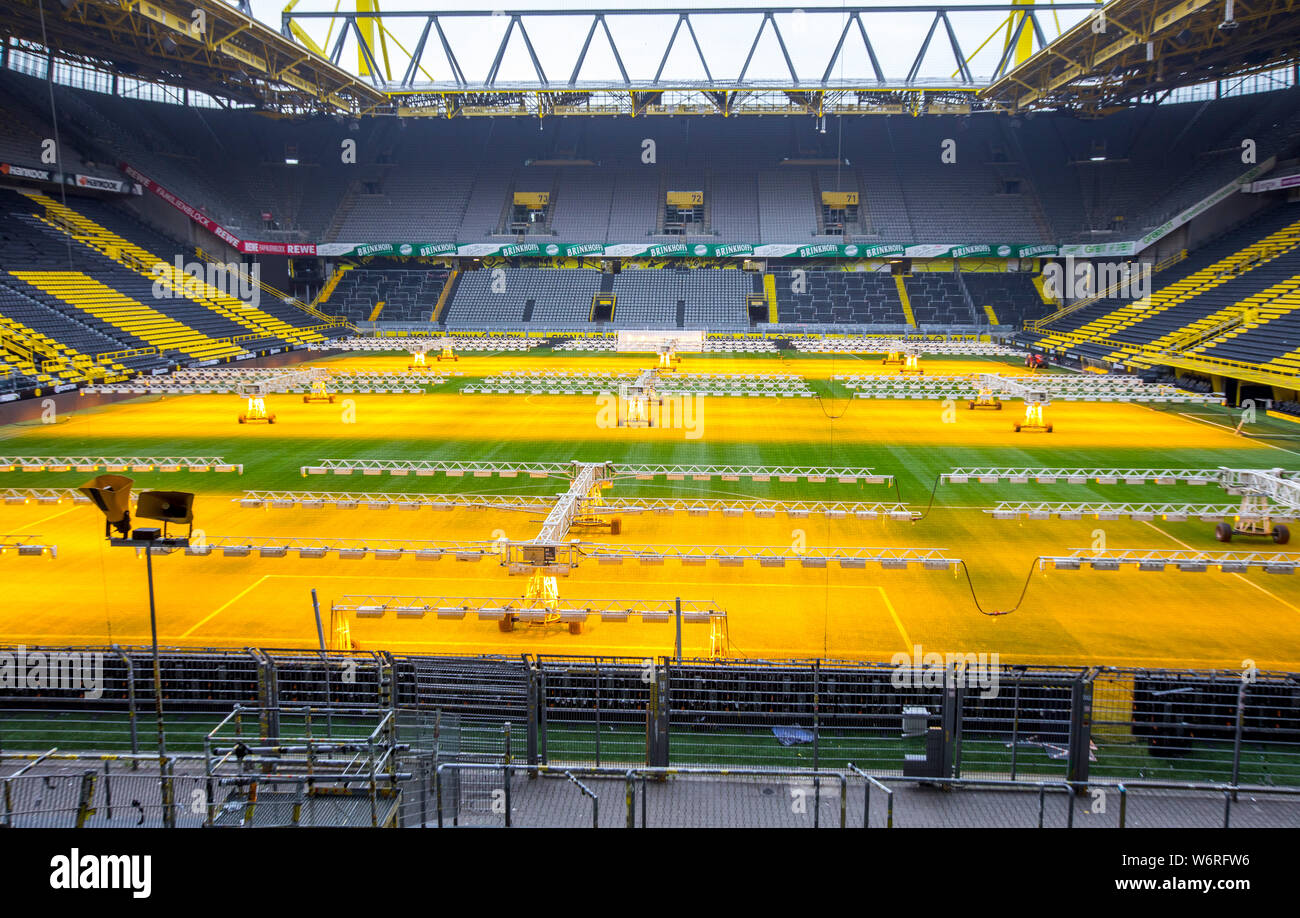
1279,533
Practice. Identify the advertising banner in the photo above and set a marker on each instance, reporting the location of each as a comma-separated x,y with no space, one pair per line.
248,247
687,250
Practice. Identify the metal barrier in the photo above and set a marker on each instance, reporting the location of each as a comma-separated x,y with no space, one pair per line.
511,795
912,722
68,790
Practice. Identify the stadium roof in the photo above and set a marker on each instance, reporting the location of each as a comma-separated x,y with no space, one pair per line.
937,58
1137,48
206,45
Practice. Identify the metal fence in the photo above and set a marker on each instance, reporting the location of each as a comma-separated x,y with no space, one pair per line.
1035,726
524,796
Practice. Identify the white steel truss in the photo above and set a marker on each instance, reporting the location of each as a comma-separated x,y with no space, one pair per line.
372,500
484,469
567,554
263,383
997,475
1192,561
42,496
487,608
1062,387
118,464
670,384
1173,513
1277,485
27,546
868,344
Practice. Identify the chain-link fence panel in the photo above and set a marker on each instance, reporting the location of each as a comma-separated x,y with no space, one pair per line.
1164,725
594,710
1015,723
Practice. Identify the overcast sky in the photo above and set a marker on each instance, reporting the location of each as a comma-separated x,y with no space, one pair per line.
896,38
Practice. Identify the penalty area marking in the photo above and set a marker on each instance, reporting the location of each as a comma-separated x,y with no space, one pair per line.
221,608
1238,576
1192,417
907,641
46,519
884,597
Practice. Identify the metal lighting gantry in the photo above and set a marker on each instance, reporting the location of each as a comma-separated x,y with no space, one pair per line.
26,546
868,344
1269,497
562,382
118,464
485,469
569,554
552,552
1067,388
573,613
1188,561
728,507
224,382
986,475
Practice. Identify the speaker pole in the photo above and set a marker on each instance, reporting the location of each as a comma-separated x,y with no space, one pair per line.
320,632
157,671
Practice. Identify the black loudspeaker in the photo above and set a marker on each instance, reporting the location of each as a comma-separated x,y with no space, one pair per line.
167,506
112,495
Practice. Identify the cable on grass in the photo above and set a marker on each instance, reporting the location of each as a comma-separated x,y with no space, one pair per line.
829,415
993,613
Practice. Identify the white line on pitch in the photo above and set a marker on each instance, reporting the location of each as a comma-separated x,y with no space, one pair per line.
1238,576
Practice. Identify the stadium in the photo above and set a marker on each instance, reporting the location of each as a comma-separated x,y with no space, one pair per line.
845,416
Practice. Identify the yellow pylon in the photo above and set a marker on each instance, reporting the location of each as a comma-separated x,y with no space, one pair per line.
718,638
341,632
543,590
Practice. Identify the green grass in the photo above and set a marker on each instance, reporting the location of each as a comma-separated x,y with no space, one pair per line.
274,463
623,744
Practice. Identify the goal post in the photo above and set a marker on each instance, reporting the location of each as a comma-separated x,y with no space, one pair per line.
655,342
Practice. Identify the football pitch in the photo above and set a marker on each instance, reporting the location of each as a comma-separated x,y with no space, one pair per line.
93,594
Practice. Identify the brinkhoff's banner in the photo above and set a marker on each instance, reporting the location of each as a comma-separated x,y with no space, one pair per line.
685,250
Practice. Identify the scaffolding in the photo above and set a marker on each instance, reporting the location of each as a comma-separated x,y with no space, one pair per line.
302,766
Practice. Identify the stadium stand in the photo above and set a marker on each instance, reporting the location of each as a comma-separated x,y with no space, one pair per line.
1004,298
1222,289
668,298
838,297
87,302
407,294
520,294
939,299
1029,180
245,317
1203,260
